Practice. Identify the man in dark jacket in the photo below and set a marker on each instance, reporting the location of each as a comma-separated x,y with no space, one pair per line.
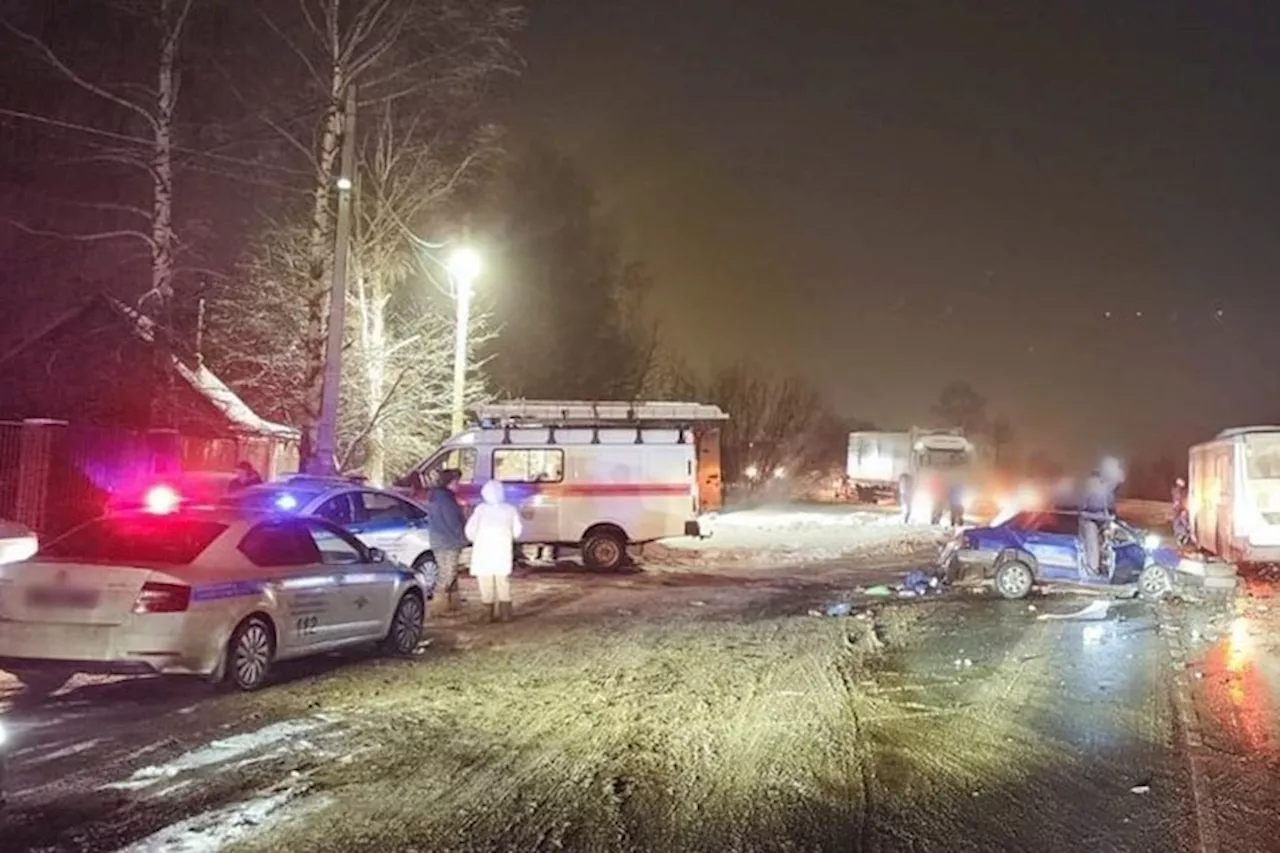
246,476
1096,513
448,536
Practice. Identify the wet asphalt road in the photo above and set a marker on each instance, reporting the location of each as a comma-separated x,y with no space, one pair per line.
1067,729
977,725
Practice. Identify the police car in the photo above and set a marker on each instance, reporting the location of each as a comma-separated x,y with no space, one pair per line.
378,518
218,592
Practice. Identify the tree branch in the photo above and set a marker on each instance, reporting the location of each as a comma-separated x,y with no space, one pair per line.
53,60
83,238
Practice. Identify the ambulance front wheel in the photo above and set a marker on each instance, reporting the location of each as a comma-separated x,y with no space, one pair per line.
604,549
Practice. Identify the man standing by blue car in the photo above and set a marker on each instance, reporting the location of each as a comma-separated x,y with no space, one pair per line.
1096,512
448,536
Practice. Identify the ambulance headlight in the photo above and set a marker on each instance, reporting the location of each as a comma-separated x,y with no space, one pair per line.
1151,542
286,502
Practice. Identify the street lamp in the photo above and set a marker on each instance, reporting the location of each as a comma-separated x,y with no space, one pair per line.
464,268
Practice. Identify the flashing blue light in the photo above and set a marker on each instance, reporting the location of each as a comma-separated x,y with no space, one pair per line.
286,502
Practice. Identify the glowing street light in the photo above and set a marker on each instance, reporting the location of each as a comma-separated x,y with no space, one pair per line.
464,268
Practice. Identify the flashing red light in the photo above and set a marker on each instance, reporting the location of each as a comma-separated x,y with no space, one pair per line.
161,500
162,598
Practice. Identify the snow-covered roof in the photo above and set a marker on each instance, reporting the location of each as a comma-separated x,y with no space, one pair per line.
234,409
206,384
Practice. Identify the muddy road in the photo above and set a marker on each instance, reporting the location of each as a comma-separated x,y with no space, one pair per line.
663,711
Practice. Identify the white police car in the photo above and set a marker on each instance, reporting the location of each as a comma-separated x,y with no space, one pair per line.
378,518
218,592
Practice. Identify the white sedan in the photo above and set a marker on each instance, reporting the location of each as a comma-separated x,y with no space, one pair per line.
221,593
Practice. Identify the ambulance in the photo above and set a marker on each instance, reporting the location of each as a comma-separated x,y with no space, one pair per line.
1233,494
593,476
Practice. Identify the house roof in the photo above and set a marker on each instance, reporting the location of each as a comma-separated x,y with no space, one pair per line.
200,379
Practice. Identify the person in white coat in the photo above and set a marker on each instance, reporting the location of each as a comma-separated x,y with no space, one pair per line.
493,529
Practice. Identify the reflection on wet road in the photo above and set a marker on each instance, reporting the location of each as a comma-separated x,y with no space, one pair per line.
1060,738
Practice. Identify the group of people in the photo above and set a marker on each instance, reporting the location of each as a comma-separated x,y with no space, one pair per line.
952,506
491,532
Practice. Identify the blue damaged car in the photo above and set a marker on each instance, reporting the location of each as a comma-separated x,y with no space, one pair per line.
1045,546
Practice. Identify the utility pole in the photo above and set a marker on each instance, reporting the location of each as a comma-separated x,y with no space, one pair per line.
324,462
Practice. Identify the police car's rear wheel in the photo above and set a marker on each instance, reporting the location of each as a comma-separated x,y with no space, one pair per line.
604,550
405,634
249,653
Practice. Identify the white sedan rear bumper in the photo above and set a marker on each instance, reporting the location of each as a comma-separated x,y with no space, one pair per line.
169,643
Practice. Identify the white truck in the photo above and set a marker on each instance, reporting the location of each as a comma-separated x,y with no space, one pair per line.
877,460
1233,494
596,476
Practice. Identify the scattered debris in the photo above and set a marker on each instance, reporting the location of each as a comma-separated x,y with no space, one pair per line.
878,591
837,609
1140,789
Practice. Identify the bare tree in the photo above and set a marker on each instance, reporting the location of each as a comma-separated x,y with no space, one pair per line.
152,106
418,69
403,342
959,405
1002,436
778,426
432,52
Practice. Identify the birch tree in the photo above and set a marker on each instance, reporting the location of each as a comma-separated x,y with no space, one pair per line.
420,70
147,106
402,347
436,54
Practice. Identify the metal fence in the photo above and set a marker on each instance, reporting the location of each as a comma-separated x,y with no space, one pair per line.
87,465
10,465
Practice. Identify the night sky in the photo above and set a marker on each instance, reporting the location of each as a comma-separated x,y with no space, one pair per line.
886,196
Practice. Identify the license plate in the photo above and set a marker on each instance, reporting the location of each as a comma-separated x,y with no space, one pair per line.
73,598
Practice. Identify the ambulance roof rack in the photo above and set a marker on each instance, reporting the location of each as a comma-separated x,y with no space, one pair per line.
581,413
1247,430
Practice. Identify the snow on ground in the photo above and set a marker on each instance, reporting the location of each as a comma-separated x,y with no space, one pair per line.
791,535
218,829
281,736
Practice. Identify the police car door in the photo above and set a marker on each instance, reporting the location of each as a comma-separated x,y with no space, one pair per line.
363,592
305,589
391,524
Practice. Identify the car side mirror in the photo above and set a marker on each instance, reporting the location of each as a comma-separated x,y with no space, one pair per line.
377,555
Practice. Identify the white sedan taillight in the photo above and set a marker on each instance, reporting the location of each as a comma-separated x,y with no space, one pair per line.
162,598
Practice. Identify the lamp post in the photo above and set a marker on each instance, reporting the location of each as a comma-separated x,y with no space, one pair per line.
464,267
